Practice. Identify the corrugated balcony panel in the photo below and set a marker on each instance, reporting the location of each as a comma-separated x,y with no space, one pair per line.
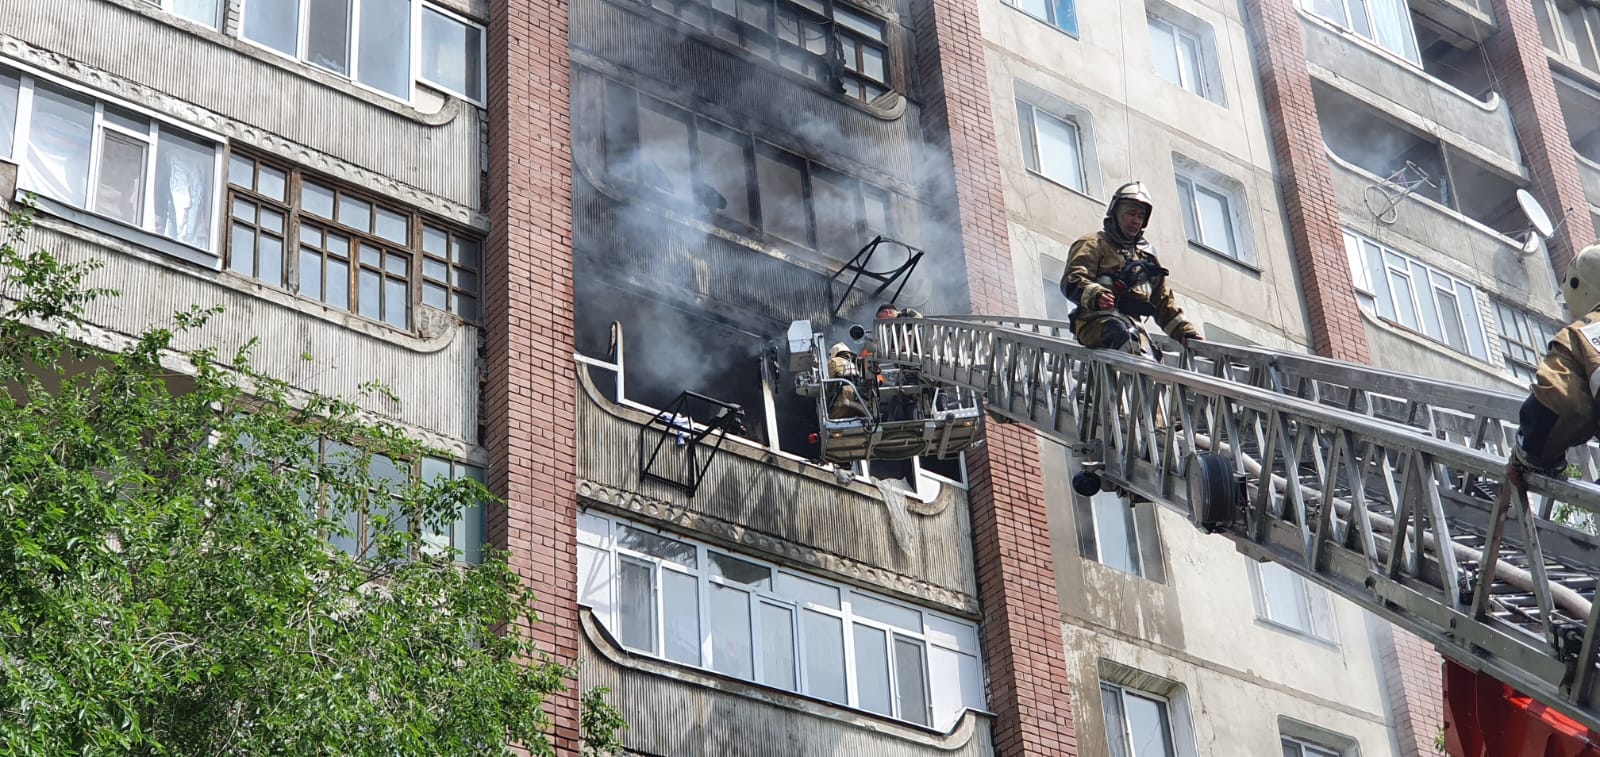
674,711
782,509
436,378
1361,69
755,95
436,153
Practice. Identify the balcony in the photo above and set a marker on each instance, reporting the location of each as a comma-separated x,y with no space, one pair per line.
772,503
1448,93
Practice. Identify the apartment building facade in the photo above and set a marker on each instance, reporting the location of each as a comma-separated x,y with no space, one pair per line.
1334,177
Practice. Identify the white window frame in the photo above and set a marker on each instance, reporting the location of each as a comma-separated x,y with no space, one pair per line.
168,7
1315,604
1379,298
1073,32
1410,54
1584,53
1310,748
1527,331
1131,515
1123,692
1032,153
1196,180
934,632
414,63
1207,82
27,80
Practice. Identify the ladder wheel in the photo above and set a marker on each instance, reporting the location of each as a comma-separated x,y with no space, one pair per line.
1213,491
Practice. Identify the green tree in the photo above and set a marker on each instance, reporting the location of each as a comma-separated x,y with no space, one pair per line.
167,583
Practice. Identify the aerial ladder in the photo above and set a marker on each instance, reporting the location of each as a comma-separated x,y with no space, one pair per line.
1387,489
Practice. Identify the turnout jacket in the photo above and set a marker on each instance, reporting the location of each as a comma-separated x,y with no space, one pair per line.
1093,261
1565,384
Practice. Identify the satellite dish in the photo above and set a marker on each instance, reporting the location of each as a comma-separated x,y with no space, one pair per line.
1537,218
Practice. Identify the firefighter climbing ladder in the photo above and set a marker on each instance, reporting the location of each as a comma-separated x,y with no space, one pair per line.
1383,487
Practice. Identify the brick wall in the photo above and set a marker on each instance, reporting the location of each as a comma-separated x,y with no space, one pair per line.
1414,680
530,393
1021,629
1518,58
1306,181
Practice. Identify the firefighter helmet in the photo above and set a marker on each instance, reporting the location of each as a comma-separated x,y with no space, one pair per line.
1133,192
1582,286
837,348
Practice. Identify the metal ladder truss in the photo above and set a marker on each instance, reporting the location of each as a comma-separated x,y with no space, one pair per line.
1383,487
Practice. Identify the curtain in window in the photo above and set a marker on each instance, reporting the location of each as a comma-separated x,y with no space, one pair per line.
9,86
1391,20
183,193
61,134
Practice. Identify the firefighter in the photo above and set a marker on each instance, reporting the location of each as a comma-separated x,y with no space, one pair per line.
1561,411
847,402
1115,280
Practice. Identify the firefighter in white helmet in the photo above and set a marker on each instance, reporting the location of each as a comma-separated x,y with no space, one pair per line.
1561,410
847,403
1115,280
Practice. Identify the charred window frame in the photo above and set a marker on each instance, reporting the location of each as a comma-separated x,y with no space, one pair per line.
822,40
739,181
350,251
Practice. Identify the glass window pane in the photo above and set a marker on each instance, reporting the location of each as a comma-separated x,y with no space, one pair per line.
883,612
435,241
385,62
392,226
1379,279
1115,534
1284,594
1058,150
328,34
911,688
464,252
395,303
61,134
1450,318
873,64
734,569
241,250
123,119
1116,719
208,12
731,649
1064,14
119,192
274,23
1291,749
9,87
656,546
777,646
184,171
270,260
368,297
680,598
310,283
271,182
1039,9
337,290
1189,63
452,54
1030,145
1191,226
316,199
1472,322
1147,723
876,215
1216,223
724,168
805,590
823,636
833,204
868,27
1164,51
872,670
357,214
241,171
636,605
1404,302
783,204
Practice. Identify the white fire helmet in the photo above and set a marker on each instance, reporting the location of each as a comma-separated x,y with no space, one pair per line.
837,348
1581,289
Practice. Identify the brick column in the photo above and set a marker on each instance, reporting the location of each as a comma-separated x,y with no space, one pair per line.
1021,629
1307,181
530,394
1413,677
1518,57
